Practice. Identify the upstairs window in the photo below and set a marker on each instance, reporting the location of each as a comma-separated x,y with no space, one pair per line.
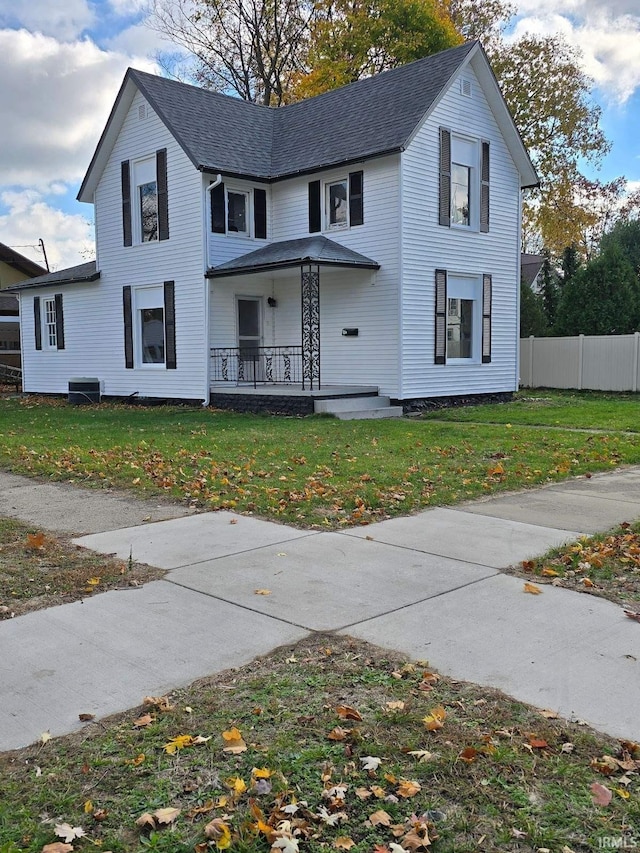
464,182
241,212
336,205
148,211
145,203
237,210
341,205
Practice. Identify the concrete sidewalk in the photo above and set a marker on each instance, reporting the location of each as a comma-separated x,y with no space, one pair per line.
428,585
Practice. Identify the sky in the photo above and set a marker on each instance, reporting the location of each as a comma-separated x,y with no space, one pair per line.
62,63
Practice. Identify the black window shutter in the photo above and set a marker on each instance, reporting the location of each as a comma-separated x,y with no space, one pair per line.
315,216
484,188
128,327
441,318
445,177
218,223
260,214
59,322
170,325
486,318
356,205
37,323
125,175
163,194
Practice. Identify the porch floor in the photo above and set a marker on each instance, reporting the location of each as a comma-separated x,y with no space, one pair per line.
294,390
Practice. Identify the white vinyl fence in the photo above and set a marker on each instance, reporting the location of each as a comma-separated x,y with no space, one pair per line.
594,362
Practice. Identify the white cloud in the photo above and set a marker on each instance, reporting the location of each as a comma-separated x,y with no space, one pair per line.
128,7
607,38
68,238
63,20
138,40
56,106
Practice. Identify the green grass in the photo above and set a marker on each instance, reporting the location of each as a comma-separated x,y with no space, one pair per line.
40,570
314,472
498,775
606,564
547,407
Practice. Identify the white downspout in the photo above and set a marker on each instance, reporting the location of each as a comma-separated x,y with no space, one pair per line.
207,301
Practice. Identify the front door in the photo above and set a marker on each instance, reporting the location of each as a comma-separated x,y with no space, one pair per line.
249,338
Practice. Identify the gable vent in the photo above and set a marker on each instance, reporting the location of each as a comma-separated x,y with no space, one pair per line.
465,88
142,112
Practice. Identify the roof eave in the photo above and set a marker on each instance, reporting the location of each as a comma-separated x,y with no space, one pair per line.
26,285
292,264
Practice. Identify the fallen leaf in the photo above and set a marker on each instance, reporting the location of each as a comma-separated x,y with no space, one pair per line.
407,788
421,754
234,742
348,713
395,706
57,847
371,763
36,541
632,614
85,718
338,733
287,845
68,833
159,702
177,743
344,843
532,588
144,720
380,817
88,807
166,815
146,821
237,785
378,792
217,830
550,715
622,793
469,754
45,737
435,718
537,743
605,765
548,572
100,815
601,794
262,592
363,793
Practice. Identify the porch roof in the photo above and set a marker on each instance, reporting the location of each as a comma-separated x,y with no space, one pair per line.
294,253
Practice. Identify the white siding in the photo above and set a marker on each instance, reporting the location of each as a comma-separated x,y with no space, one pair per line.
427,246
93,314
226,247
364,299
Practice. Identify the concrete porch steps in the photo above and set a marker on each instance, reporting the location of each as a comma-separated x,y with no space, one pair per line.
358,408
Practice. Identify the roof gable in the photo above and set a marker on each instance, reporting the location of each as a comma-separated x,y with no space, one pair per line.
369,118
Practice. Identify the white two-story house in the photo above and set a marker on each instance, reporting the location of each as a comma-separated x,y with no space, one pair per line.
365,239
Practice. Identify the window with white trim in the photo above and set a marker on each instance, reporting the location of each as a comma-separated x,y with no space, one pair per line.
149,326
238,212
337,204
146,200
50,329
463,318
465,196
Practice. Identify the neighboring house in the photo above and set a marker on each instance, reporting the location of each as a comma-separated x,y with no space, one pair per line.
14,268
367,237
530,266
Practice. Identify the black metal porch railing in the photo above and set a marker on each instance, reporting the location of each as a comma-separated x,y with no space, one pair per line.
257,365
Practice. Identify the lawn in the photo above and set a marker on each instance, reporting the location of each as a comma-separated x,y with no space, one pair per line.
329,745
313,472
547,407
40,570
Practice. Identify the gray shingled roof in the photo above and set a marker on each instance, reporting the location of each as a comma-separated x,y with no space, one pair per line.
292,253
364,119
530,266
72,275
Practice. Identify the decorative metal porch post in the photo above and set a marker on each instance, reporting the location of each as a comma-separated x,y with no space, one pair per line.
310,292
